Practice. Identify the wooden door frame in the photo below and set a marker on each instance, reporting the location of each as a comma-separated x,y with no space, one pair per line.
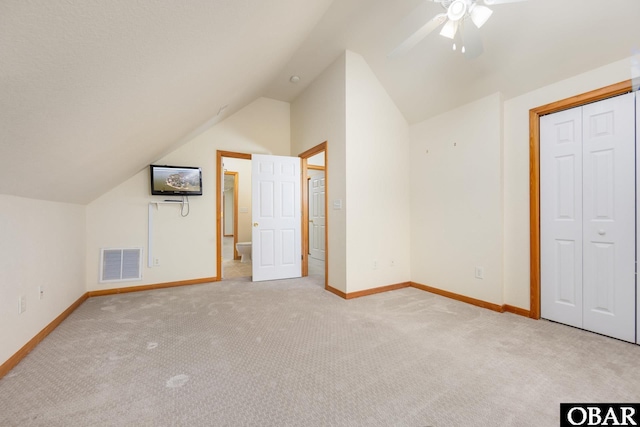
305,210
534,175
219,230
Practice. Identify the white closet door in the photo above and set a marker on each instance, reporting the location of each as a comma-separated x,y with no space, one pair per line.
609,217
561,216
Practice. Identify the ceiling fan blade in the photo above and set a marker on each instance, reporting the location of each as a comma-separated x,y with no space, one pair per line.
492,2
416,37
472,41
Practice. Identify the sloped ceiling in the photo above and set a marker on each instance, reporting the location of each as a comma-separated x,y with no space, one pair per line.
527,45
93,91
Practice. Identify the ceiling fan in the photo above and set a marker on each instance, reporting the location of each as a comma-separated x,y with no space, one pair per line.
458,13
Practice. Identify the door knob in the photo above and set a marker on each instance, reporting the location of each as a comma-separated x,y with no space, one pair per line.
255,224
602,232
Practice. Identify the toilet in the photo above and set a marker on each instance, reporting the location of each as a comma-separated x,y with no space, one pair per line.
244,249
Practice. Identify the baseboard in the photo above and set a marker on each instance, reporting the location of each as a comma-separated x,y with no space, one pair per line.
505,308
516,310
33,342
378,290
458,297
152,287
20,354
335,291
366,292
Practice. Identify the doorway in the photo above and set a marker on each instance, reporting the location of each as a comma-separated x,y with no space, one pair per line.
233,193
315,229
271,236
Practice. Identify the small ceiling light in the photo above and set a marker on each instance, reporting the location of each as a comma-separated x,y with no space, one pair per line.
480,15
454,46
449,29
294,79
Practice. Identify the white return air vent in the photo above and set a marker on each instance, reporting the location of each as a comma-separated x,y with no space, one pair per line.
120,264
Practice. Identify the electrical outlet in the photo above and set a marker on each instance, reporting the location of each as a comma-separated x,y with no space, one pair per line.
41,291
375,265
479,273
392,263
22,304
156,262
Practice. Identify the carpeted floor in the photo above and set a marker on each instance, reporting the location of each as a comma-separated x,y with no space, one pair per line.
289,353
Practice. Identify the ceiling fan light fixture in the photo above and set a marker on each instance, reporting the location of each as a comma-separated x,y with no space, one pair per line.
449,29
480,15
457,10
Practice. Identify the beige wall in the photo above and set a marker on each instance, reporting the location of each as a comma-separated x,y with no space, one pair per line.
368,150
318,115
377,178
185,247
41,244
456,200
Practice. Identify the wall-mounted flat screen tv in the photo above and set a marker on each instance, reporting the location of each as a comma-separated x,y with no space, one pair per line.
175,180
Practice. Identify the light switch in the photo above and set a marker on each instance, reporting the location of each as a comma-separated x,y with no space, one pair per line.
337,204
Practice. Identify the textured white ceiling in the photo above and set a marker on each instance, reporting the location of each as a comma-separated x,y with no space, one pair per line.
527,45
93,91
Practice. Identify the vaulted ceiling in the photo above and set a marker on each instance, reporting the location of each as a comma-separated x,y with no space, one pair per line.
93,91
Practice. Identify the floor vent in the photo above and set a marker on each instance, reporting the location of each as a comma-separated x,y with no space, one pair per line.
119,265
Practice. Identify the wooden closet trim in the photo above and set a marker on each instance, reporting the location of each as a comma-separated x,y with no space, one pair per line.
534,175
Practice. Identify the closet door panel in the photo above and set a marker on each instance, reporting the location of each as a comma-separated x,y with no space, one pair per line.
609,217
561,216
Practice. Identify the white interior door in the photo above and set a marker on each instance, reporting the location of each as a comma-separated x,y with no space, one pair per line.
276,215
561,217
609,217
317,218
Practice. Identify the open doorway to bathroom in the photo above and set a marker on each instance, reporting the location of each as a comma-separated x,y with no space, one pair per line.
233,198
314,212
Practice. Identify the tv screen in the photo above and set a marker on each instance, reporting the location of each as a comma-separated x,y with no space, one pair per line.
175,180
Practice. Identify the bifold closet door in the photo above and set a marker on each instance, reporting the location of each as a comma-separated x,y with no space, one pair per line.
561,216
587,217
609,217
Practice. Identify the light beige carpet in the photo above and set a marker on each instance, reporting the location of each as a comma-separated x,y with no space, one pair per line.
289,353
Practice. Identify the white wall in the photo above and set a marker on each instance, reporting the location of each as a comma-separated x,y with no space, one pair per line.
41,244
377,202
456,200
516,156
186,247
243,167
318,115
